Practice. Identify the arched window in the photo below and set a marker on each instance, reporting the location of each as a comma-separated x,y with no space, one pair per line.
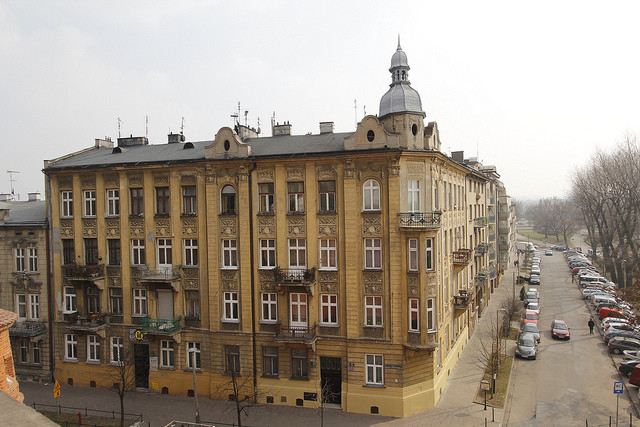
371,195
228,200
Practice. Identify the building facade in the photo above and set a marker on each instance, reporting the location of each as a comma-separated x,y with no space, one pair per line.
347,267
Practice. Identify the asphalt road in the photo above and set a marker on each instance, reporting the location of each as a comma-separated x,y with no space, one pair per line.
571,381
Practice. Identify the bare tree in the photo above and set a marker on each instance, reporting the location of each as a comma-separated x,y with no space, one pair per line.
123,377
326,395
492,349
512,307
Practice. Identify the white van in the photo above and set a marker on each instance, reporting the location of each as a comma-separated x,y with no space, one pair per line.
585,280
598,299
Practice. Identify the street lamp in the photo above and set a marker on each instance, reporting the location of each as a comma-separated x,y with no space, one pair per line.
192,351
484,385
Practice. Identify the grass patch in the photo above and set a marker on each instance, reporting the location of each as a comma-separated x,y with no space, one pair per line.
497,399
530,233
90,420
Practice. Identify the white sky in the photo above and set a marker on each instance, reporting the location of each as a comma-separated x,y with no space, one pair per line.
533,88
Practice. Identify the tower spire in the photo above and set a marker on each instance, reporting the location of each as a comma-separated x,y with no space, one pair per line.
399,48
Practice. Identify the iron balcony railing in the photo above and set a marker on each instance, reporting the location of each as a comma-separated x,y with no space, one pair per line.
161,326
83,272
426,220
294,276
480,221
92,322
162,273
27,328
305,334
481,249
461,256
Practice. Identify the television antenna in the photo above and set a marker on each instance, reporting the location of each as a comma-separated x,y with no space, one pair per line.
11,181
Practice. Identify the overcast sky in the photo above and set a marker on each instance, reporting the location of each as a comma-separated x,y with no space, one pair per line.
534,88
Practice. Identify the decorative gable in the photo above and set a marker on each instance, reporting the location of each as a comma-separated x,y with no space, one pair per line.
371,134
227,145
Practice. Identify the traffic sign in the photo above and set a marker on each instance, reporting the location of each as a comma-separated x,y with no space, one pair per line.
56,390
618,386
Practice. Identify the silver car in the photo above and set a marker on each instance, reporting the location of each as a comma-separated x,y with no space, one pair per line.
531,328
527,346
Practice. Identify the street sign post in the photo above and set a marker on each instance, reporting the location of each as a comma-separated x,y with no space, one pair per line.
56,390
618,388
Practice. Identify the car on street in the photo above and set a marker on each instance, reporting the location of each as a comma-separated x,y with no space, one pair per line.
530,317
548,252
606,321
535,269
631,354
612,333
618,326
612,312
527,347
559,329
531,328
618,344
535,307
626,366
534,279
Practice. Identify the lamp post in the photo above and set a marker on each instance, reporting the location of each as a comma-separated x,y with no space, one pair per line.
195,387
484,385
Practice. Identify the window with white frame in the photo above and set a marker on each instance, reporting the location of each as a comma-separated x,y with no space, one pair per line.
21,306
373,253
429,249
192,299
140,302
329,309
66,207
431,314
327,196
297,253
373,310
414,314
413,254
328,254
69,297
137,252
34,306
413,201
269,307
267,253
113,202
117,349
164,252
20,264
296,196
89,203
191,252
189,200
375,369
230,307
70,347
166,354
93,348
32,254
229,253
265,191
371,195
193,348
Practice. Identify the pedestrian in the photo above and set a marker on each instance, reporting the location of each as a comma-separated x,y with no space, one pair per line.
591,325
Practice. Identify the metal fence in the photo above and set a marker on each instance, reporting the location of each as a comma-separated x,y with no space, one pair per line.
86,411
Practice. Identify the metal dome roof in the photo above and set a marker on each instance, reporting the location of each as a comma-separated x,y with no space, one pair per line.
401,97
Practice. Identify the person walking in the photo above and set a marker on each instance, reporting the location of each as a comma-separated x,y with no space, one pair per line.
591,325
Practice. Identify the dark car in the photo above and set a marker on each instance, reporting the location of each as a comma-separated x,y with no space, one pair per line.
527,346
612,333
618,344
559,329
626,366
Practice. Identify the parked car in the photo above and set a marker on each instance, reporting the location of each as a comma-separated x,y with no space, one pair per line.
548,252
618,344
527,347
634,378
613,312
631,354
618,327
606,321
612,333
531,328
535,307
626,366
559,329
530,317
535,269
534,279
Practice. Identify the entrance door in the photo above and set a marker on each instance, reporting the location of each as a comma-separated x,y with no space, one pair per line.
141,360
299,311
165,304
331,379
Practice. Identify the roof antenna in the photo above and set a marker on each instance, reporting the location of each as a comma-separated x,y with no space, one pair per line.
146,126
246,113
355,108
273,124
119,123
182,126
11,181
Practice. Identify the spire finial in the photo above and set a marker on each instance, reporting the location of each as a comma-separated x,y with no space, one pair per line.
399,48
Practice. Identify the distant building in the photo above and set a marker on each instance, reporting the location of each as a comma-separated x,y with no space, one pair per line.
8,381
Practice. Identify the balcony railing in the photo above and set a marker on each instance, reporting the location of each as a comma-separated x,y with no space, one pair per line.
462,256
161,326
461,301
92,322
83,272
481,249
480,221
158,274
27,328
294,276
481,278
425,220
302,334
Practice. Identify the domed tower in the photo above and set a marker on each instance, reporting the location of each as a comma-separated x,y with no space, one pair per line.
401,107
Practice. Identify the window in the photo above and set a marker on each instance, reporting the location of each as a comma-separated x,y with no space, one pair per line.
93,348
429,246
328,254
66,198
373,310
69,296
91,251
192,298
228,200
230,307
299,363
21,306
296,196
270,361
28,306
193,348
36,352
414,195
19,259
34,306
229,253
164,252
431,314
117,349
113,202
375,369
413,254
137,252
114,251
297,253
24,350
191,252
414,314
70,347
115,300
137,201
265,191
372,253
68,252
162,201
329,309
269,307
436,190
371,195
267,253
93,300
140,302
33,259
232,358
89,203
166,354
189,200
327,195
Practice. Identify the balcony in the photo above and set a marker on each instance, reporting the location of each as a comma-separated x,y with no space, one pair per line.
167,273
481,278
481,249
295,277
480,222
27,328
161,326
90,323
461,257
461,301
83,272
296,334
420,220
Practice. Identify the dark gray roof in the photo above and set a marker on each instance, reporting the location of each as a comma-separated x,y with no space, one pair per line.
23,214
283,145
